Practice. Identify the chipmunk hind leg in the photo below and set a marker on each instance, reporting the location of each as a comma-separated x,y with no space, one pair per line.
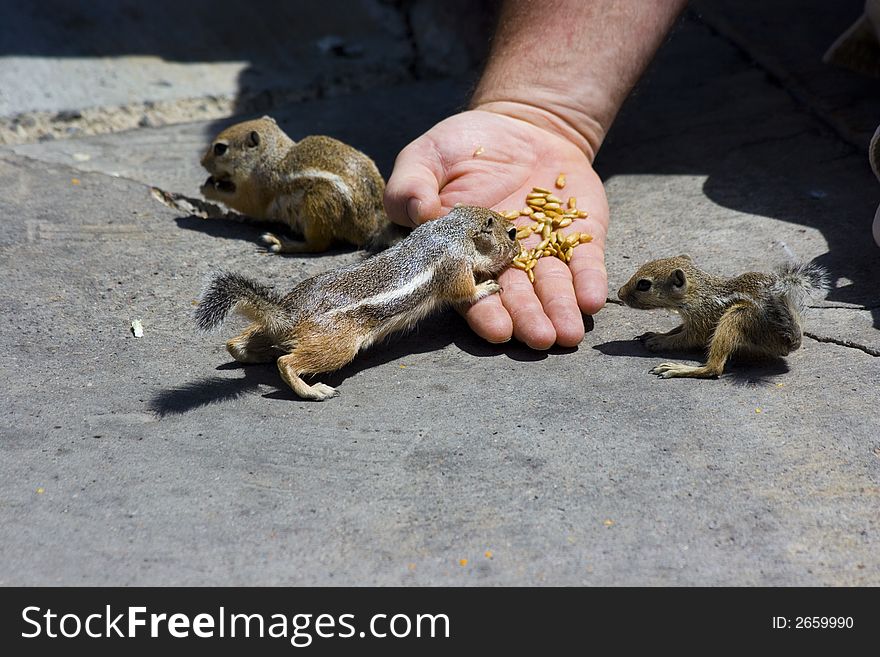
253,345
319,208
727,338
317,351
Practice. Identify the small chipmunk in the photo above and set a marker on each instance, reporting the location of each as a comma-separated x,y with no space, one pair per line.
324,321
323,189
758,313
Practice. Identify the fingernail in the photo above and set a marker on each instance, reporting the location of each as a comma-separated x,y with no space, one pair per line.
412,210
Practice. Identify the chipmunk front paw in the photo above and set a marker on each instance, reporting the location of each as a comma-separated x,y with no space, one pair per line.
272,241
654,342
487,288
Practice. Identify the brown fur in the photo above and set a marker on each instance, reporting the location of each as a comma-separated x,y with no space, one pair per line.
323,189
325,320
755,312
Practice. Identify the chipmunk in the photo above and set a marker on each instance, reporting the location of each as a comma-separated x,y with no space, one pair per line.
324,321
758,313
323,189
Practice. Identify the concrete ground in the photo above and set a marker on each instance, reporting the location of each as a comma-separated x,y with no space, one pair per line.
446,460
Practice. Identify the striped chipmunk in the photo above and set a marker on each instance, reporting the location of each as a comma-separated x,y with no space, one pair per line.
324,190
755,313
323,323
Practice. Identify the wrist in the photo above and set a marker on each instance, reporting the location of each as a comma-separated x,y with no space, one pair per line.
576,127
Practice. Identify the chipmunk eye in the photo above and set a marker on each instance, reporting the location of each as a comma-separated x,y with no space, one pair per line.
511,233
220,148
643,285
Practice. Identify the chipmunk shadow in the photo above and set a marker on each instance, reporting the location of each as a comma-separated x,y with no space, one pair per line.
741,370
217,389
434,335
249,231
214,389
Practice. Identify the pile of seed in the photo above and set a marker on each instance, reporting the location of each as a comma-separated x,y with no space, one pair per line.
549,216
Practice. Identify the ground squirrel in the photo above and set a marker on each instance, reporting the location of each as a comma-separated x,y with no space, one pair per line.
322,324
757,313
325,190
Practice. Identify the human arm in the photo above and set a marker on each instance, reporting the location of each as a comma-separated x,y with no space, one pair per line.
556,77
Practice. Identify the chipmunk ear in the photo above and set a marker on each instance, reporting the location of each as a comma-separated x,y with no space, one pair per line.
679,280
686,257
253,139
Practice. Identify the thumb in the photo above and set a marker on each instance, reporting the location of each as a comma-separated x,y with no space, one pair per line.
412,195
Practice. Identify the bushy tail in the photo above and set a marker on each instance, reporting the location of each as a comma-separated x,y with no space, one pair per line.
801,283
227,292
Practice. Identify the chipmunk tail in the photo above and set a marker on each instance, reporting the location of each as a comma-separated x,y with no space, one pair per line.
227,291
802,282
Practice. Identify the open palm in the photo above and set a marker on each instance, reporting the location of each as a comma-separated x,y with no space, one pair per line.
491,160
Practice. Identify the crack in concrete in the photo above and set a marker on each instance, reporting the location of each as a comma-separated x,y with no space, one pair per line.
844,343
863,308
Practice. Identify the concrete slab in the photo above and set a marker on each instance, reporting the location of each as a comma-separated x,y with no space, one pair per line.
83,68
168,156
445,460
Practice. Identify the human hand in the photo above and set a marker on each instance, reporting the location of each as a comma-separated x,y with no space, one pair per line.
488,159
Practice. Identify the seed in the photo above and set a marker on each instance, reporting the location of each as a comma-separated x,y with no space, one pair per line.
553,236
551,206
568,253
531,276
480,150
526,211
572,202
537,254
523,233
573,239
541,190
539,216
548,252
530,264
585,238
537,201
560,180
554,199
566,221
543,244
519,264
510,215
582,214
545,233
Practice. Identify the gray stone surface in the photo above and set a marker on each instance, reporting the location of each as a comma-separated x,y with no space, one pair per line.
156,461
177,50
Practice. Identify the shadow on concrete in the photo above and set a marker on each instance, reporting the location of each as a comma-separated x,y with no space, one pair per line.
741,369
250,231
214,389
762,154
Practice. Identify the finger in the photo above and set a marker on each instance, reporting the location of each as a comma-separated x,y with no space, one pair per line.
554,289
412,195
590,277
588,272
530,324
488,319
